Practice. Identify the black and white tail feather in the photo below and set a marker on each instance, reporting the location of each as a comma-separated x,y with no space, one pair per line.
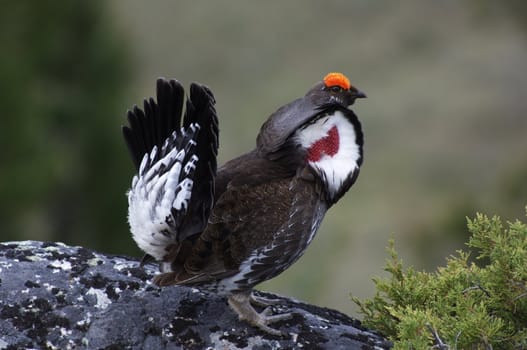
174,152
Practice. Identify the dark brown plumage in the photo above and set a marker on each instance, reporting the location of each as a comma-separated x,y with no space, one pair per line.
228,229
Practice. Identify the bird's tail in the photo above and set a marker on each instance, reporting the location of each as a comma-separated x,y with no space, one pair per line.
174,152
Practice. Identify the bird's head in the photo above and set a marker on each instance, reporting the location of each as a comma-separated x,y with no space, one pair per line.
321,131
334,90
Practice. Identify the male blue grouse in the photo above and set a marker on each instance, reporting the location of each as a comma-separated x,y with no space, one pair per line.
227,229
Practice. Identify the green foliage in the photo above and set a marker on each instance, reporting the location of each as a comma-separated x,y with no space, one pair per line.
466,304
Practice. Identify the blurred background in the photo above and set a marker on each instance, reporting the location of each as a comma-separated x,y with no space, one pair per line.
445,119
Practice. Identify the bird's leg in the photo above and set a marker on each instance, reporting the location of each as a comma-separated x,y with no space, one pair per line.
241,304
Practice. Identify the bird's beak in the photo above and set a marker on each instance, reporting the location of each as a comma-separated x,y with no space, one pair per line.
359,94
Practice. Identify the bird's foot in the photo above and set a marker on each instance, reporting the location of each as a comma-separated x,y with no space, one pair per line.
241,304
261,301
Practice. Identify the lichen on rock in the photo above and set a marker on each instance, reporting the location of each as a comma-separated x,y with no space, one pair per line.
54,296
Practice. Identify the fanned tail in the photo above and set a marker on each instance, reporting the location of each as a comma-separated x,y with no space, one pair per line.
175,156
157,122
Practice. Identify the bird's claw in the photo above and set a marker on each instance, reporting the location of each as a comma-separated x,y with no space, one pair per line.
241,304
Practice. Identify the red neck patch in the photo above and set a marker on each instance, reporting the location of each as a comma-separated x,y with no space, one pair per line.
328,145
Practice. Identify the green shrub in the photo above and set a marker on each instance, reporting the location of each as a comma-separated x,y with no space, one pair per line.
480,304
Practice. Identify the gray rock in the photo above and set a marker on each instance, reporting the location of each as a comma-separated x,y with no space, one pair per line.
53,296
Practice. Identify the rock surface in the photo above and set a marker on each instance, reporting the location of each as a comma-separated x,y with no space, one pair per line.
53,296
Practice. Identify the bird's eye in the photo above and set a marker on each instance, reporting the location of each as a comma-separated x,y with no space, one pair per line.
335,88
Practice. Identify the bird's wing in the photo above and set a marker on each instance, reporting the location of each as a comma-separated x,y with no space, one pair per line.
237,226
175,155
241,247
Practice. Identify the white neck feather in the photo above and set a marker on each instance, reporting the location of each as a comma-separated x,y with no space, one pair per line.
336,168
